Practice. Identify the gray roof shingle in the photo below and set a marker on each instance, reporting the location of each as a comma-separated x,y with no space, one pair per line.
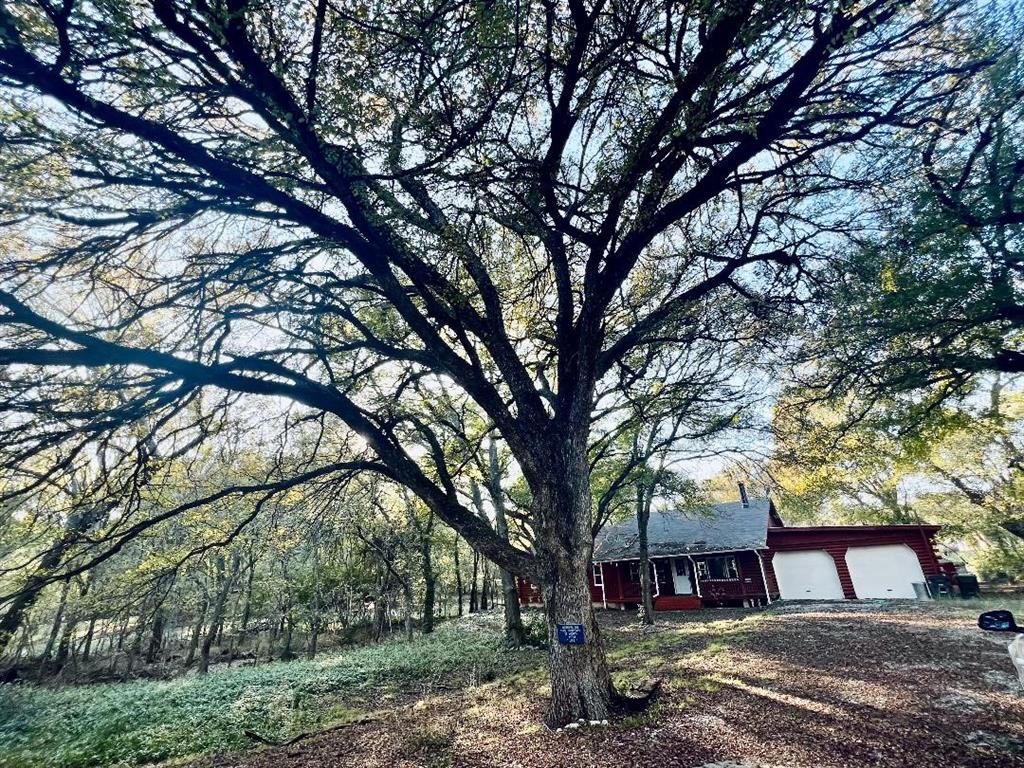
719,528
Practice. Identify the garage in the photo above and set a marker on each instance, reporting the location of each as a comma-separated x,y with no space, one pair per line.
887,571
807,575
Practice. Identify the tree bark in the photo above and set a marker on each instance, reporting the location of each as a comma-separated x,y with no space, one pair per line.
227,578
486,602
55,627
380,607
156,637
429,586
459,591
643,516
90,632
407,607
474,595
581,684
515,633
197,630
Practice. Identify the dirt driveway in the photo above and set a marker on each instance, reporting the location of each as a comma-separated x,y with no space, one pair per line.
814,686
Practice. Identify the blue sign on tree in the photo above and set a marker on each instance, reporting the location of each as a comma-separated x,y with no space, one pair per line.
571,634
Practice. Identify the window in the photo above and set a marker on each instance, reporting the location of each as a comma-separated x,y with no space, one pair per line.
659,572
634,571
598,575
721,568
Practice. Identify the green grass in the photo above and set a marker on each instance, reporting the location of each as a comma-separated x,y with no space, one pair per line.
148,721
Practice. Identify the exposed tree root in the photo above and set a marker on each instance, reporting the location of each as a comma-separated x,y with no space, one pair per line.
639,698
272,743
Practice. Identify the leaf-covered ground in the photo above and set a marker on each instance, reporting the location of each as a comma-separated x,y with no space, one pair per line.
849,684
854,684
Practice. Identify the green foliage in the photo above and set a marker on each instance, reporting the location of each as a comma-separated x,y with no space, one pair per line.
960,466
145,721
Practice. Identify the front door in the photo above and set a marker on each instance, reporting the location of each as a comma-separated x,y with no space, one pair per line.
681,576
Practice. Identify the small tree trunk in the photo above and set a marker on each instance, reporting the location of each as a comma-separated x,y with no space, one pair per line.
643,516
226,579
58,617
407,608
380,608
429,587
485,588
474,595
286,653
197,631
459,591
156,638
515,634
314,636
247,610
90,632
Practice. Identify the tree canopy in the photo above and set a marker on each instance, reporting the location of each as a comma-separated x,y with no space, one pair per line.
396,228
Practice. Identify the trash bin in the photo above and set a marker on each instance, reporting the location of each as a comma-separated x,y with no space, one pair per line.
938,586
967,583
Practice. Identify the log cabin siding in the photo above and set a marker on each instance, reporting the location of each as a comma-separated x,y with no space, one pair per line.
836,540
620,591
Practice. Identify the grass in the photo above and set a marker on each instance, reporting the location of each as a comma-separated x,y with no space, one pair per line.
148,721
141,722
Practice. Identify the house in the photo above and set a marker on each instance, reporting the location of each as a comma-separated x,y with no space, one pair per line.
743,554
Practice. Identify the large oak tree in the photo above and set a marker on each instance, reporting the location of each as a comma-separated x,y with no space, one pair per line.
350,205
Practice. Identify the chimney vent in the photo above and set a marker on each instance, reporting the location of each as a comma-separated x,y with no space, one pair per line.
743,495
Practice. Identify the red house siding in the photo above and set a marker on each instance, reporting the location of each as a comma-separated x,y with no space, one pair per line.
620,591
836,540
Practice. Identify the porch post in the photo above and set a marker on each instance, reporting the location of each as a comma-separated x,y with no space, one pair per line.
696,580
764,577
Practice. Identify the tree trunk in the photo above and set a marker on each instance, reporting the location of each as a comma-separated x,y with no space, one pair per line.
460,592
379,608
247,610
429,587
226,579
286,653
55,627
581,684
407,608
90,632
643,516
486,599
515,634
156,638
197,631
474,595
314,639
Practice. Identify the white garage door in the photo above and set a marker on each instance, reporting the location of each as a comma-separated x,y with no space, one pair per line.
889,570
809,575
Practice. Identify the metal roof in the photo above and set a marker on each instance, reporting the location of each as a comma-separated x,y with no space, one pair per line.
718,528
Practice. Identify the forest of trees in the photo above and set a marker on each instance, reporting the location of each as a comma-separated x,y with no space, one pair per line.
203,590
320,321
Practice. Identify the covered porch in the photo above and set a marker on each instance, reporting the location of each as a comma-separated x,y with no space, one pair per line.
683,582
